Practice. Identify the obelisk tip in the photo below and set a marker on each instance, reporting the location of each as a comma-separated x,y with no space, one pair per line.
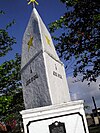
33,5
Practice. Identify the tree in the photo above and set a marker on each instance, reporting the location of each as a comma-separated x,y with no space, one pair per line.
11,100
6,41
80,40
10,75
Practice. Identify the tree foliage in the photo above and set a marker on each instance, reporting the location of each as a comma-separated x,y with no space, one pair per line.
6,41
80,40
11,100
10,106
10,75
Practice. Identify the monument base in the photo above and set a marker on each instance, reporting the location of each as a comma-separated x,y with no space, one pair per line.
64,118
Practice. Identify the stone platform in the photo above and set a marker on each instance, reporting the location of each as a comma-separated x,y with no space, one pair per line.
64,118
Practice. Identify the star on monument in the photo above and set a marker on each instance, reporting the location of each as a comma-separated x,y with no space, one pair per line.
30,43
47,40
33,1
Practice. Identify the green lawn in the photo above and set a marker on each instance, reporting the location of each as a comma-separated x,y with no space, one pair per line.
95,129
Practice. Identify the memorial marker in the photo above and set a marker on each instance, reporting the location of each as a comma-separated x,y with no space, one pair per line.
42,73
44,84
57,127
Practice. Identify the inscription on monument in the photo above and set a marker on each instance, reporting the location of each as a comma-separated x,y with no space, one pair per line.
31,79
57,127
57,74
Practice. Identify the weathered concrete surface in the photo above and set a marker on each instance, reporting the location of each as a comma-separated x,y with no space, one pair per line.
42,73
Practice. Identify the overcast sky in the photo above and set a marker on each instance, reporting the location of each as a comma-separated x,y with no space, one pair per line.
49,10
80,90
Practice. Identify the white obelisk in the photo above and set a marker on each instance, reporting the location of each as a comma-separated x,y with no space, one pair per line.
42,73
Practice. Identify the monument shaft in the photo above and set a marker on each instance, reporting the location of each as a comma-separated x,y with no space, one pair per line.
43,75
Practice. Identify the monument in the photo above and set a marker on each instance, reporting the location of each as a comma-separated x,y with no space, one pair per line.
49,108
43,75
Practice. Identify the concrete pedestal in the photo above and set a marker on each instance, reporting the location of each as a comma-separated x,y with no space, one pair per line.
64,118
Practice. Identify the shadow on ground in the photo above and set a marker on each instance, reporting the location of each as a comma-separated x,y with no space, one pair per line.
94,129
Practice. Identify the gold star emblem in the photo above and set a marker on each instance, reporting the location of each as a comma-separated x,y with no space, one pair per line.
33,1
47,40
30,43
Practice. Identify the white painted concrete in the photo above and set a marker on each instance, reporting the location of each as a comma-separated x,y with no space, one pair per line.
56,78
71,114
42,73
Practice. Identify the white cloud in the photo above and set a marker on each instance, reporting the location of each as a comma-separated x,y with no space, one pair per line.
80,90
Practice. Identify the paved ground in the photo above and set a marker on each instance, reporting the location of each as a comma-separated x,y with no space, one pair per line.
95,129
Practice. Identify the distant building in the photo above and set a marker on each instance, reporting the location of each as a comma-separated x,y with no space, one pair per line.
90,120
96,116
94,111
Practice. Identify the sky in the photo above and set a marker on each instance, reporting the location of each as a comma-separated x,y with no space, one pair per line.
49,10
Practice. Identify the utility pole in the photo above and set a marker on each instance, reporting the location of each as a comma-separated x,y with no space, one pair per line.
96,108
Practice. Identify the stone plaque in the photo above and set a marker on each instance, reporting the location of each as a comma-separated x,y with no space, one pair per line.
57,127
